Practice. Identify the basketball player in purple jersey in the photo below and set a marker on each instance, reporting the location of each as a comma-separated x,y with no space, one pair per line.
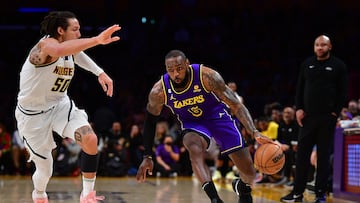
202,102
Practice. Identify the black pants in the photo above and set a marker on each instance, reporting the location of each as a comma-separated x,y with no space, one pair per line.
289,162
317,130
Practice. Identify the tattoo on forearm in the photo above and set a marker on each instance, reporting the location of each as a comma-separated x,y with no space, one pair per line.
83,131
245,119
77,136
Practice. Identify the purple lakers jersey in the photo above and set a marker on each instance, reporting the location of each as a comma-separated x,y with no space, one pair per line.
202,111
195,102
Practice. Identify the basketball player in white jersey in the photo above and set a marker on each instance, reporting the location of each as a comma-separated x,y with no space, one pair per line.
44,106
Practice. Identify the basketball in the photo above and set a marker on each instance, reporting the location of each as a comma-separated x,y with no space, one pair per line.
269,158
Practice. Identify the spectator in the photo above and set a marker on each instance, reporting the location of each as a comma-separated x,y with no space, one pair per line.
353,109
287,136
232,85
116,159
268,127
136,146
66,157
162,130
116,131
20,156
167,157
5,149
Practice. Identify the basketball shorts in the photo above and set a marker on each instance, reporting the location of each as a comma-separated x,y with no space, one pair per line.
36,127
225,132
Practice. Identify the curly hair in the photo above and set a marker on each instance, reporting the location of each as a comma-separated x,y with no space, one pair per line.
54,20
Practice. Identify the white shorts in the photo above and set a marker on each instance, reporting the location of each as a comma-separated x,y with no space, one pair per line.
36,127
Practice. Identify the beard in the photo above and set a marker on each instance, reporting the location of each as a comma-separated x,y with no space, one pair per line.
323,55
183,83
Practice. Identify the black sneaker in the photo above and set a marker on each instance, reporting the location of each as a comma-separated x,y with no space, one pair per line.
292,198
310,187
320,198
217,201
242,190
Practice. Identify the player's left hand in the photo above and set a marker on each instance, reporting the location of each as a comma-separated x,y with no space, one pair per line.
106,83
145,168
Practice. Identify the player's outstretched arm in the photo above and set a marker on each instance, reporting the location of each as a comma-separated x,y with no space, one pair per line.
53,48
153,110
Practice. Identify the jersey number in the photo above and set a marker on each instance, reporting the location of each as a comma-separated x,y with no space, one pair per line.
61,85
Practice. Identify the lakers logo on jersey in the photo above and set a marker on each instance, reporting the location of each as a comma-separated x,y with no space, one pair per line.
195,111
190,101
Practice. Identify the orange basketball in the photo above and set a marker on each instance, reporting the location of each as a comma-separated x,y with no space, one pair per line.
269,158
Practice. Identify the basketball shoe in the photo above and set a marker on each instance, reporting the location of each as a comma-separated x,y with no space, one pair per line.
37,199
243,191
216,201
292,197
91,198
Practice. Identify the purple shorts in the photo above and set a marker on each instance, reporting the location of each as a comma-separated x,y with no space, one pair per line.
224,131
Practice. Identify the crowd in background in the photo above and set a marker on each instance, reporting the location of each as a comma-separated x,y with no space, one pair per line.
121,148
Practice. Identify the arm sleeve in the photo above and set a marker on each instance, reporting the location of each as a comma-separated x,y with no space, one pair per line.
149,132
85,62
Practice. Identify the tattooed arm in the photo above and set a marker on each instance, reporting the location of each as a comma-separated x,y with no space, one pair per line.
156,99
215,83
154,107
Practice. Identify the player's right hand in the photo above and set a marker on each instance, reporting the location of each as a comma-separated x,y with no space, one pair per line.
146,167
105,37
261,139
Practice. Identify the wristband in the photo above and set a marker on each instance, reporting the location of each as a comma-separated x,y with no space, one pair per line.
255,131
147,157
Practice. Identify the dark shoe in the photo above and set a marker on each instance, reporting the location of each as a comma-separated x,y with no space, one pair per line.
242,190
217,201
310,187
320,198
292,198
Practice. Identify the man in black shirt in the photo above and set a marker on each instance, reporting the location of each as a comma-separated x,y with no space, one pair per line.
321,93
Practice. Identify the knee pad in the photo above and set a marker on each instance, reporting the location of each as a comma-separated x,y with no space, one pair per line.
88,163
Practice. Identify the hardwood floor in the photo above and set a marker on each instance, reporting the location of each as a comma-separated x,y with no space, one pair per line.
17,189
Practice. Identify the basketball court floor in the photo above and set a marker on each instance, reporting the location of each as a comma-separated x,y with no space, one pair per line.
17,189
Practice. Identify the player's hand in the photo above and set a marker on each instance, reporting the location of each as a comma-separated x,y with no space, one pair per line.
146,167
106,83
105,37
261,139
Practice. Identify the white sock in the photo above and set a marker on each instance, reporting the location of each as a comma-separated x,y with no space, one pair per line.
38,194
88,185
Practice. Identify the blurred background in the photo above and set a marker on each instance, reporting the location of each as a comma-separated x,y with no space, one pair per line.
258,44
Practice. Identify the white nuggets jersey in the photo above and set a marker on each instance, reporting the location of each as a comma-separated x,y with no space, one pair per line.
43,86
